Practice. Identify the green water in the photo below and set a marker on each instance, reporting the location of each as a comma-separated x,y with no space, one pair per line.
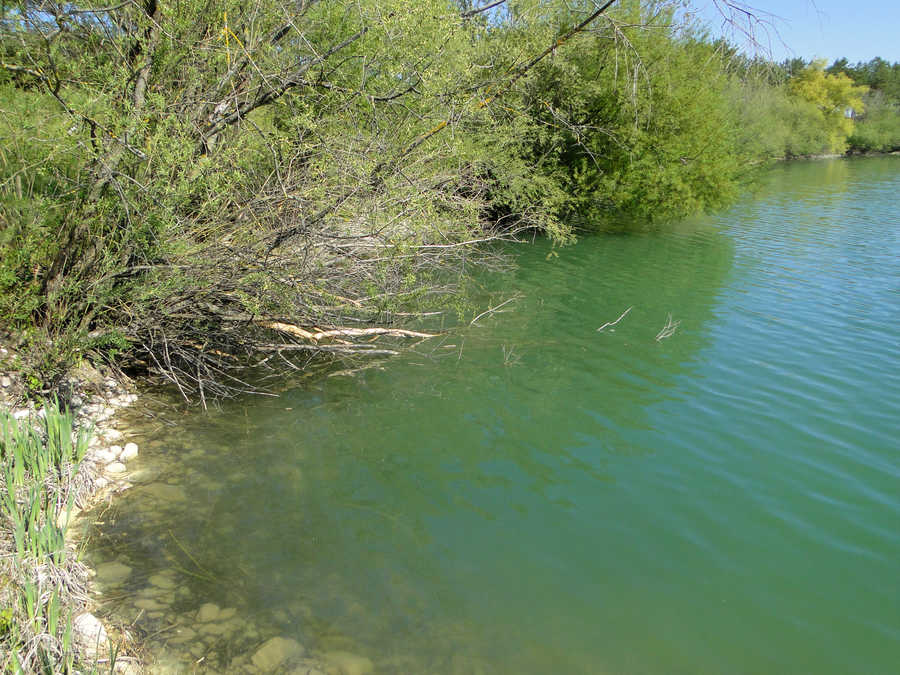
530,495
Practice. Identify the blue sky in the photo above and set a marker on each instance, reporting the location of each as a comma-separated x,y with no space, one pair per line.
857,29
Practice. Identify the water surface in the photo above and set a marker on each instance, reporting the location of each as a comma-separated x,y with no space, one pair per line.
530,495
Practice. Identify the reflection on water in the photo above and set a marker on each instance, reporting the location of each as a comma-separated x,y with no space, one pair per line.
530,495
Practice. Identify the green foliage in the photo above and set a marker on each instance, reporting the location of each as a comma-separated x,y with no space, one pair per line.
877,75
177,179
834,96
625,130
879,129
37,466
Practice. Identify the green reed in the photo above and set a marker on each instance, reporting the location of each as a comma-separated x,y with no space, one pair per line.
39,461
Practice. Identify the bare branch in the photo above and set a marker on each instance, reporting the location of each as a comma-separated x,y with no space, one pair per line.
669,329
613,323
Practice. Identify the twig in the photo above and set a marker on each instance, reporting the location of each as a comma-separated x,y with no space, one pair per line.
493,309
669,329
613,323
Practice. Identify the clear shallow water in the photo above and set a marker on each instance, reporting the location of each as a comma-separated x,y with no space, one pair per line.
529,495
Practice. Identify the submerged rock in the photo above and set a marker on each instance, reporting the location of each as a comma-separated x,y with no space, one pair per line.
227,613
113,573
115,467
162,580
148,604
183,635
347,663
308,667
166,492
208,612
276,652
219,628
130,451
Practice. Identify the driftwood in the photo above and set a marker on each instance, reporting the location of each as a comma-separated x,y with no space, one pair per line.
613,323
669,329
296,331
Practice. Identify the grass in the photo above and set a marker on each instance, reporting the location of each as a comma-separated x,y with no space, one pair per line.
41,581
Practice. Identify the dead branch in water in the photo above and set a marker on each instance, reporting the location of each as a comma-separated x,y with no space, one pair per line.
613,323
291,329
494,309
669,329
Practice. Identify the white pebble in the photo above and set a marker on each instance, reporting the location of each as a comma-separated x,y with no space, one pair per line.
106,455
129,452
113,435
115,467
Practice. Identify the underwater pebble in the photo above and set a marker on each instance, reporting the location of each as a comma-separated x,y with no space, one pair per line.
115,467
165,492
162,580
219,628
186,633
113,572
350,664
207,612
227,613
273,653
130,451
148,603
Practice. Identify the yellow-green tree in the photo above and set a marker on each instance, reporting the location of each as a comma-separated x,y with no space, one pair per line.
835,97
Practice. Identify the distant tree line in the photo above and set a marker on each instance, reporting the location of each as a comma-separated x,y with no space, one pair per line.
878,128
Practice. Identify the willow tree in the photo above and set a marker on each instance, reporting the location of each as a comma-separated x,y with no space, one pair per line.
637,122
201,185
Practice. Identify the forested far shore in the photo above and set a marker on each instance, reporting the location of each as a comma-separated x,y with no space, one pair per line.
195,189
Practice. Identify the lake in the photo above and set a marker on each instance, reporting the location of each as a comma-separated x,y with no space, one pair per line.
528,494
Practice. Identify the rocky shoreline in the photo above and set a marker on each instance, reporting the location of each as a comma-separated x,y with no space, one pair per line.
93,401
97,403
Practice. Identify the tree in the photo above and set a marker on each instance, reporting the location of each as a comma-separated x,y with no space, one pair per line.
835,97
636,122
207,185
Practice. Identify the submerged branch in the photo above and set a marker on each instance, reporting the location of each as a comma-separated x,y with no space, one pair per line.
613,323
669,329
291,329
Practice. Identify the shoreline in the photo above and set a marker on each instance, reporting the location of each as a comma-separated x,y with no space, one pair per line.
93,401
100,644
